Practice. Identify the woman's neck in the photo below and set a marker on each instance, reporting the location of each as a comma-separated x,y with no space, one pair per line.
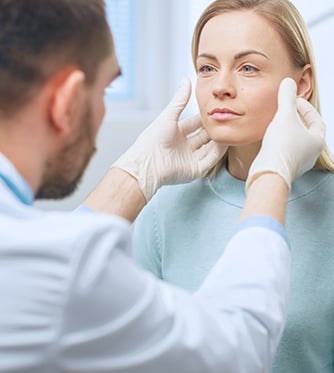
240,158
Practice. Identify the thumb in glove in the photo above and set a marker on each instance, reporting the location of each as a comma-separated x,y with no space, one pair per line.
165,153
292,142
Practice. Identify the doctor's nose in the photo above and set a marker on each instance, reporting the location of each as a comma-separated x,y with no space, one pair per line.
223,86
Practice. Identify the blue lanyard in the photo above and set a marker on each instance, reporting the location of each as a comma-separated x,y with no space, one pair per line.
25,198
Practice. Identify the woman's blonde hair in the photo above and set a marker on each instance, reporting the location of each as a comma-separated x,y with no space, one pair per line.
290,25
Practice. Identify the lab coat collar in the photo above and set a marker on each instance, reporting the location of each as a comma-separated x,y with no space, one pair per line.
15,182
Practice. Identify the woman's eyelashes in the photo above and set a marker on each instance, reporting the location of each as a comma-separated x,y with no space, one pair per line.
246,69
249,69
206,69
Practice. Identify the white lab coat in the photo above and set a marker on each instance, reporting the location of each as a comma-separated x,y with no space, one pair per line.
72,300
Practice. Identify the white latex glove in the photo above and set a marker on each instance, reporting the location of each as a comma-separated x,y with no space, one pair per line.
170,153
290,147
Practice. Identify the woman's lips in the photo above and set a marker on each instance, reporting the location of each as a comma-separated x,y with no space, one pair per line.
223,114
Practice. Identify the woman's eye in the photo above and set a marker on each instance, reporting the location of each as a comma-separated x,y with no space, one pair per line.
249,69
205,69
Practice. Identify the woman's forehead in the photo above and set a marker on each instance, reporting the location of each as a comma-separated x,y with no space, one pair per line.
240,30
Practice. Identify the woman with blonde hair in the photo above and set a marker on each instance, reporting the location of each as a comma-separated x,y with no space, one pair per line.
242,49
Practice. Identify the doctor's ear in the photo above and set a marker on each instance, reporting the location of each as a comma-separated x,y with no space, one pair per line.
67,99
305,82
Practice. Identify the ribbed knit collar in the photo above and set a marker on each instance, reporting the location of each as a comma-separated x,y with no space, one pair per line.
232,190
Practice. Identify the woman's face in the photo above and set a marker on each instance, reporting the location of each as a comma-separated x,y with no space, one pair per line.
241,62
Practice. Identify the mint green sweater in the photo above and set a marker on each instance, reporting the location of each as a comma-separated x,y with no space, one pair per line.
180,233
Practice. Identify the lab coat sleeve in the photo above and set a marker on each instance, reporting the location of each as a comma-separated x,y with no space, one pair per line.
121,319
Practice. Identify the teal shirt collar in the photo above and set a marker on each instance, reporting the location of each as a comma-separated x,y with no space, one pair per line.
15,182
232,190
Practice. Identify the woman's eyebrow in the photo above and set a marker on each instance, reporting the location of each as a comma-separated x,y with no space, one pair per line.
236,57
247,52
208,56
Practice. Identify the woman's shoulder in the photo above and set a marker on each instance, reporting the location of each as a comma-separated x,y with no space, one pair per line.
313,181
169,194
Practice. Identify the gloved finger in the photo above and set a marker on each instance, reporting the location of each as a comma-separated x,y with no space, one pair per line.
213,154
211,150
189,125
198,139
180,99
287,95
310,117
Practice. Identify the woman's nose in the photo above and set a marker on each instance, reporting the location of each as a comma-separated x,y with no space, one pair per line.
224,85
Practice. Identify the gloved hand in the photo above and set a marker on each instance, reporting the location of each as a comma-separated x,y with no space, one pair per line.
290,147
169,153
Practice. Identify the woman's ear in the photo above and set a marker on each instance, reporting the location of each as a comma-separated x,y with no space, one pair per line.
305,82
68,87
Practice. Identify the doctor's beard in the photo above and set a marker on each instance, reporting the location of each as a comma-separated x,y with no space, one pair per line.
64,173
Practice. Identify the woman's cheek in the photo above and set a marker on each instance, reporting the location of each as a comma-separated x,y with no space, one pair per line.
267,118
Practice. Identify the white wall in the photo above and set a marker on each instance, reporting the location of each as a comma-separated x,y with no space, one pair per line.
163,39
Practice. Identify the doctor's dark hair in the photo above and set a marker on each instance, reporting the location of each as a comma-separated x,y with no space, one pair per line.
291,27
40,37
